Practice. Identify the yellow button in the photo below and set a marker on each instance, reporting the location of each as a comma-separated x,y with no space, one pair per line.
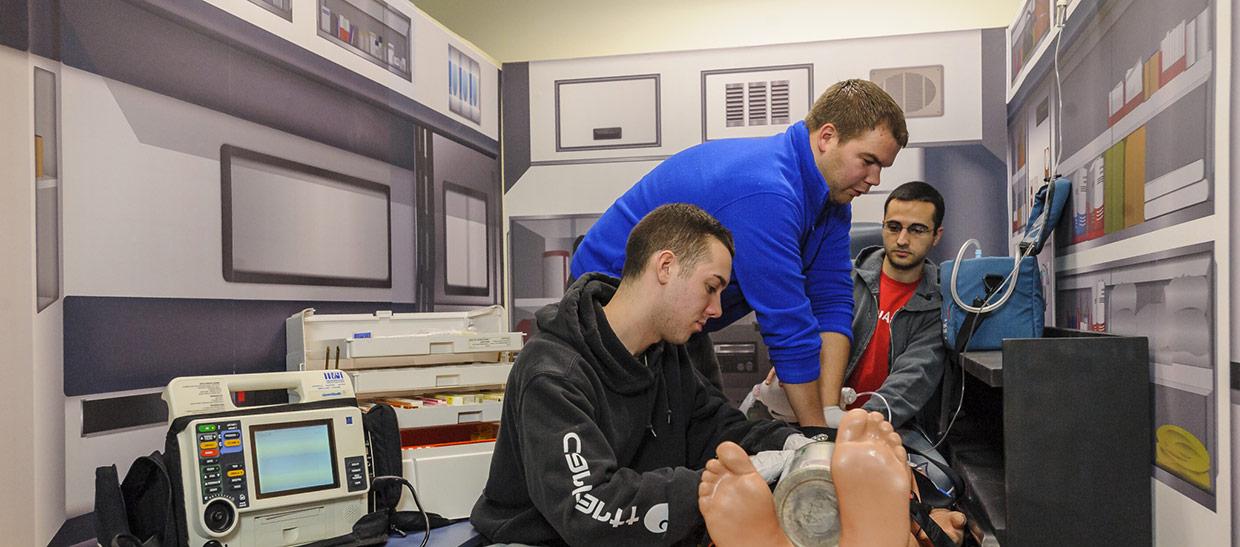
236,472
209,444
232,442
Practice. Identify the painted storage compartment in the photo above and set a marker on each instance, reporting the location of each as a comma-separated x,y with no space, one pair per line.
607,113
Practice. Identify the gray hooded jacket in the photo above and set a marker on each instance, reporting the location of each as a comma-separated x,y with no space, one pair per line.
917,355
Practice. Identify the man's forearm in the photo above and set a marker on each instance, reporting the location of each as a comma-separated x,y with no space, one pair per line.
834,359
806,403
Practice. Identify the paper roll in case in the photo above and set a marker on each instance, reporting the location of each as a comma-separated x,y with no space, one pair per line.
443,373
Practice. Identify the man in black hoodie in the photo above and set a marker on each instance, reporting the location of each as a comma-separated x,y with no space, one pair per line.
606,424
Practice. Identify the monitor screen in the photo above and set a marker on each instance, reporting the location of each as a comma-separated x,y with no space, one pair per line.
293,458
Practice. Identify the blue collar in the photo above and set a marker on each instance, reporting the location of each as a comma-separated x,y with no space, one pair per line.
813,184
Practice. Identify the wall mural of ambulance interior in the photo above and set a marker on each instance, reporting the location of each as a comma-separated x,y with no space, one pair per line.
1169,298
542,250
187,210
1139,119
1125,110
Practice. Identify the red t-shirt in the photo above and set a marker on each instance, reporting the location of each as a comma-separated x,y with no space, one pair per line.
873,366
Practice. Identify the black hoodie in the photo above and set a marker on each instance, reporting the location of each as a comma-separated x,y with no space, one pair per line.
598,447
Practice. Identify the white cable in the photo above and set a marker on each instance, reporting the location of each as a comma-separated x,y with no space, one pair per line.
883,399
1059,111
986,306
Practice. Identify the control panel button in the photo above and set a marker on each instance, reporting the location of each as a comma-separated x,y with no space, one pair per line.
211,469
208,444
207,436
210,476
212,490
232,435
236,473
211,461
210,453
232,442
205,428
211,483
232,466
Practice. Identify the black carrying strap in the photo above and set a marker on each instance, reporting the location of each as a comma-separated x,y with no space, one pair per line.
111,521
920,513
374,528
383,438
937,497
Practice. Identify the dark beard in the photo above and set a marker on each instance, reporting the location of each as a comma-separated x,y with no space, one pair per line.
903,267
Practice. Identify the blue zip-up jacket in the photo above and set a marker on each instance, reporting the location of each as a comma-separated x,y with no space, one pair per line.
792,265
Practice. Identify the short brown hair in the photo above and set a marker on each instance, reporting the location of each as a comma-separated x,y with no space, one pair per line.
856,106
681,228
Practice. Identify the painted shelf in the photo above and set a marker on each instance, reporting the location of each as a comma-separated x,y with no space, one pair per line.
533,304
1169,238
398,381
1039,61
431,416
1183,84
371,29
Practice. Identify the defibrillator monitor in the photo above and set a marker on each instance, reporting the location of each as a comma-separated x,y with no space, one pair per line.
294,458
281,474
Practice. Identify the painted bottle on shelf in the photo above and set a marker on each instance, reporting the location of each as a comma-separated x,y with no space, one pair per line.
1098,322
1080,205
1097,195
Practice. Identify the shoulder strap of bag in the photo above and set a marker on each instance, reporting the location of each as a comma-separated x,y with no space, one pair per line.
111,520
920,514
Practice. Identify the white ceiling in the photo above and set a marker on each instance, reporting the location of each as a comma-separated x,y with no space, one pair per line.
533,30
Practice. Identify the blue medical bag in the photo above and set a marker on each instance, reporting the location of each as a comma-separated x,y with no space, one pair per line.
986,307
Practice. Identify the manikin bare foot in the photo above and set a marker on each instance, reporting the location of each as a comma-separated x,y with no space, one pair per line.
873,481
736,502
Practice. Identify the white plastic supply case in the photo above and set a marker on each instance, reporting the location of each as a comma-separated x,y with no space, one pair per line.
386,339
448,479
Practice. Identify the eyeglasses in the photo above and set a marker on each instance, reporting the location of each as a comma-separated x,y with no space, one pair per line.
894,228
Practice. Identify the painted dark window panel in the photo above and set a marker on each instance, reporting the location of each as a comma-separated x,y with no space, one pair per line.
290,223
465,194
465,233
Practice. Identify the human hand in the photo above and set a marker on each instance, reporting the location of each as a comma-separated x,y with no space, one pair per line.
770,377
776,400
833,414
770,463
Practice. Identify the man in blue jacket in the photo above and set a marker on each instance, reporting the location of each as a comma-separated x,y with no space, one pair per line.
897,349
786,200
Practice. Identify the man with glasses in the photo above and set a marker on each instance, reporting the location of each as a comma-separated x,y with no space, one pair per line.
897,348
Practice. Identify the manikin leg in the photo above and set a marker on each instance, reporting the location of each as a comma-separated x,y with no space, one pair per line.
870,473
736,502
873,481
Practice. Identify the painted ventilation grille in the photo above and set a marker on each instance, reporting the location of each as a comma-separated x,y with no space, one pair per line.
919,91
756,103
